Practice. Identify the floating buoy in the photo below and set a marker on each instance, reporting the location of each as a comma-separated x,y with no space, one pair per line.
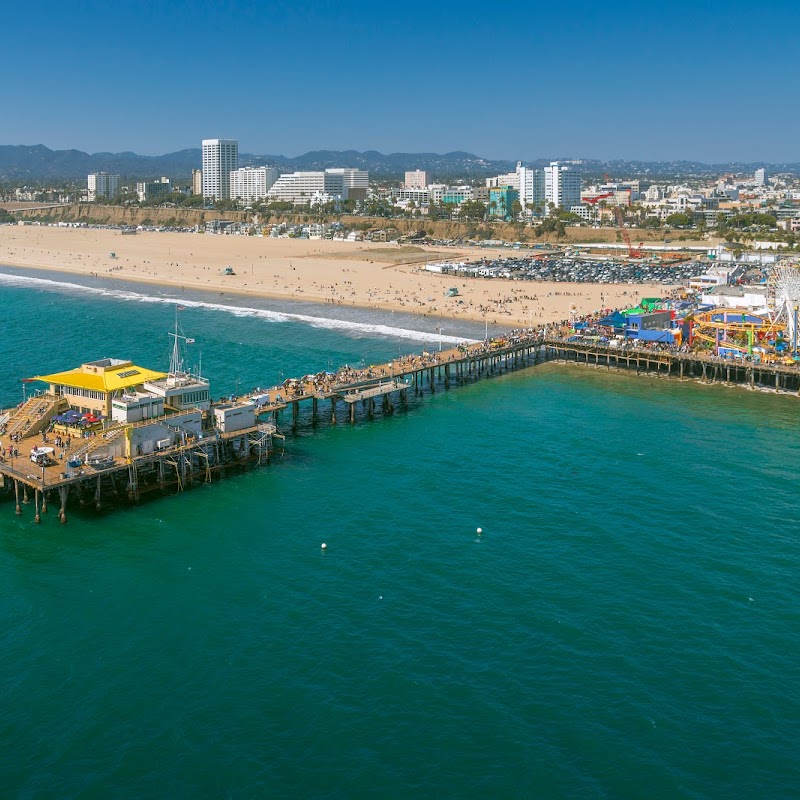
323,546
479,531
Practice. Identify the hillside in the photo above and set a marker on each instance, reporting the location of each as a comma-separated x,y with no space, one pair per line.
177,217
37,163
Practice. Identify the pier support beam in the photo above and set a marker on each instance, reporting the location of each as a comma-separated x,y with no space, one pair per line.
314,411
333,410
63,491
17,509
36,517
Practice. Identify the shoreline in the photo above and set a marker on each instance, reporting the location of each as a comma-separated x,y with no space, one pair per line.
366,276
403,324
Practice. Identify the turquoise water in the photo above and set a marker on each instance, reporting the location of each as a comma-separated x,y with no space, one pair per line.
626,626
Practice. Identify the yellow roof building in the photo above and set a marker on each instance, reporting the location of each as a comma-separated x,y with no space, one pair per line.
92,385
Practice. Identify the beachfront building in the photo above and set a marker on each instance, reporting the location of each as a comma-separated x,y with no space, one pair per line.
456,195
530,183
562,185
436,192
197,181
417,179
354,182
752,297
152,190
220,158
92,387
501,200
307,187
252,183
418,196
102,184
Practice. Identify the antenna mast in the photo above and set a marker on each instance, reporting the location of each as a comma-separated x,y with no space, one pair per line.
176,360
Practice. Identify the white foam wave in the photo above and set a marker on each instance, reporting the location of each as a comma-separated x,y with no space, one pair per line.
345,326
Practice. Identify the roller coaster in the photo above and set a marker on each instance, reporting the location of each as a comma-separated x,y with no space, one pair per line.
740,332
770,335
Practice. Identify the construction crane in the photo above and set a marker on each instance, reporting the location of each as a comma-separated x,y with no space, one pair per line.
637,253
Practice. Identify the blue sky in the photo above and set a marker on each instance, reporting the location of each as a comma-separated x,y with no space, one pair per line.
712,81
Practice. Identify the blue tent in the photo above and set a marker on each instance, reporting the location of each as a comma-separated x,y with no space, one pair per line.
614,320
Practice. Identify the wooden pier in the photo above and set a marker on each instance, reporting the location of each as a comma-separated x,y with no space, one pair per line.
684,366
346,396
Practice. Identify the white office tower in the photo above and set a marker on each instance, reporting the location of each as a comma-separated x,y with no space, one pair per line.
531,187
562,185
761,177
220,158
252,183
355,182
417,179
101,184
320,187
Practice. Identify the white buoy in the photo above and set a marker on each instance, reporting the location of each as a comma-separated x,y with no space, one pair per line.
323,546
479,531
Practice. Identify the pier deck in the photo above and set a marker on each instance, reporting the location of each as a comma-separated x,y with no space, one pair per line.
197,458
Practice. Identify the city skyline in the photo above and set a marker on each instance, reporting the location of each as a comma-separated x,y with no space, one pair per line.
622,83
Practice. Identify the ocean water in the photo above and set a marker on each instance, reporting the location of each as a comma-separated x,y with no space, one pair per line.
627,625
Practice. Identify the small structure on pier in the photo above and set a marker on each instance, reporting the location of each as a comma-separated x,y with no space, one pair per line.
91,387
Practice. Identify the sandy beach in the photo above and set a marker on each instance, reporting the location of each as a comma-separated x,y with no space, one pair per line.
360,274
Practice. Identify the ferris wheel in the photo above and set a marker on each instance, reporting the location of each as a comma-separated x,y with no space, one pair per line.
783,298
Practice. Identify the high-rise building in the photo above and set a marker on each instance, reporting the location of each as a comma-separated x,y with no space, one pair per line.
197,181
761,177
101,184
531,187
220,158
562,185
417,179
252,183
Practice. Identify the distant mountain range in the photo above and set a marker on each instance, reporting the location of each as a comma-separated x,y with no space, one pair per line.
37,163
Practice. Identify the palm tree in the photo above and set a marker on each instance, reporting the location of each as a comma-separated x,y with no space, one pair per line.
503,205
